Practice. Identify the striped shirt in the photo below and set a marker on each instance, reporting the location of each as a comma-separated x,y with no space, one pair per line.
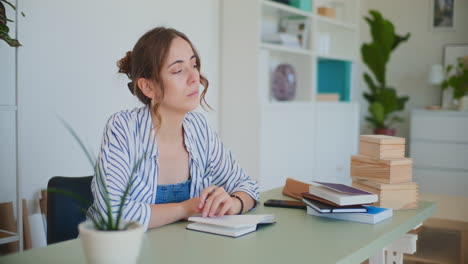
129,138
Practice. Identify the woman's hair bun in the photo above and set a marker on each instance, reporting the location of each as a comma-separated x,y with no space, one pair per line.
125,63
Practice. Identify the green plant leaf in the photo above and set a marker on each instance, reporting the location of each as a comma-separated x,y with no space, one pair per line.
401,101
8,3
382,31
9,41
375,59
388,99
400,39
369,97
370,83
377,111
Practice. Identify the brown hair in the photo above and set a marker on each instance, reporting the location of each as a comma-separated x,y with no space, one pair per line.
146,61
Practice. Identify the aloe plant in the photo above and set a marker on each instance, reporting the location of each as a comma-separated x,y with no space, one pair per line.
4,30
101,222
383,99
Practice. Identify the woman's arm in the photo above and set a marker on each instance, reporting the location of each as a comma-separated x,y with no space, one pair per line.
163,214
117,159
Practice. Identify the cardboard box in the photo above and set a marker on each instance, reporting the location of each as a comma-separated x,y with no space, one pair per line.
400,196
382,170
381,146
326,11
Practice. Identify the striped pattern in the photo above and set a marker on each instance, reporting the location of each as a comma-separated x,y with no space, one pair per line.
129,137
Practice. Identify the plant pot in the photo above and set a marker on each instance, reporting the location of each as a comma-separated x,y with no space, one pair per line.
111,246
385,131
461,104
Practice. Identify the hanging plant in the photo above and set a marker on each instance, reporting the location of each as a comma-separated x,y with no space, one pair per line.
4,30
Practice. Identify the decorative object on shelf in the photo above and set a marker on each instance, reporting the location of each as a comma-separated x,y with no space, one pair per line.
326,11
328,97
323,43
295,26
435,78
457,78
305,5
284,82
4,30
442,15
286,2
383,100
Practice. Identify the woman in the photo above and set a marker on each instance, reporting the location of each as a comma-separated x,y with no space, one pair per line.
185,169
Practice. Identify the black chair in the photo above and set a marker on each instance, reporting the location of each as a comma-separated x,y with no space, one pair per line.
63,212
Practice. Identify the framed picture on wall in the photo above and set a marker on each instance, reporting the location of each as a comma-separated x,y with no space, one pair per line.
442,15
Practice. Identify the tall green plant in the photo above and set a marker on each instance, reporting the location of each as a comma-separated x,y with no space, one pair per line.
383,99
4,30
101,222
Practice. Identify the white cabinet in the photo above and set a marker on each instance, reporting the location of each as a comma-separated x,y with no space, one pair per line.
337,137
439,148
274,139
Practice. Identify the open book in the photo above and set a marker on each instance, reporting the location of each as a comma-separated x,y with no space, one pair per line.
229,225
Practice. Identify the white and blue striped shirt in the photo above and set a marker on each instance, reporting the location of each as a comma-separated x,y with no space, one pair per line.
129,136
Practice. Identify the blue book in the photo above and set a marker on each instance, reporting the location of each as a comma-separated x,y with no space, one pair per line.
373,215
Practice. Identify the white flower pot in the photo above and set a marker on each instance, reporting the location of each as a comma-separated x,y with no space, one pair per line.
111,246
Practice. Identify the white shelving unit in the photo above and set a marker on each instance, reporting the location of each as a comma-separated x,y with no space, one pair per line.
301,138
9,169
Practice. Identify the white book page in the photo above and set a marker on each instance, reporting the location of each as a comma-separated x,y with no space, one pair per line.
234,221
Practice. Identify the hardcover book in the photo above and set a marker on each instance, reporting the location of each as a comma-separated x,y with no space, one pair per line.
341,194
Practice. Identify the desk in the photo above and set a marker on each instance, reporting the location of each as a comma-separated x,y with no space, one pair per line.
296,237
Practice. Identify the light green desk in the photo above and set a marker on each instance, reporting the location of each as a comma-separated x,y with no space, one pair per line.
295,238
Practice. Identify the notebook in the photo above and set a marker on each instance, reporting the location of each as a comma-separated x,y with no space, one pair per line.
341,194
327,208
373,215
229,225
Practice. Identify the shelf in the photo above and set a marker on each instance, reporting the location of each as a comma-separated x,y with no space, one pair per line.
8,108
286,49
335,22
7,237
285,8
336,57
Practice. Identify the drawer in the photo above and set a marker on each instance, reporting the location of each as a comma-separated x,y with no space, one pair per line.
439,155
448,128
441,182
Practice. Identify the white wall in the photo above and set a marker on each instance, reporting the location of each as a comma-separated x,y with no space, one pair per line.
67,67
409,65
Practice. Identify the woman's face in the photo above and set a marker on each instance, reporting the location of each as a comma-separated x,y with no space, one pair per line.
181,78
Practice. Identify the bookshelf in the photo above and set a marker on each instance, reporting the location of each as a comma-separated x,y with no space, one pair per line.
274,139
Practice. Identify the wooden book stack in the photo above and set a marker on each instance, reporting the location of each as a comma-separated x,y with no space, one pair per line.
381,168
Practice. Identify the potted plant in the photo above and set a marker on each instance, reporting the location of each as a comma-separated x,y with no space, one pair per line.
383,99
4,30
457,78
107,238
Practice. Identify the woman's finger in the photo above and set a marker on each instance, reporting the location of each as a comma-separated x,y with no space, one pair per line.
204,195
219,199
226,206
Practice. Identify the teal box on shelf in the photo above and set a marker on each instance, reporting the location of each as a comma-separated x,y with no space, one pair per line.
334,76
305,5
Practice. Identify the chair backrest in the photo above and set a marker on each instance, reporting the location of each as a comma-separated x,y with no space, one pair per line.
63,212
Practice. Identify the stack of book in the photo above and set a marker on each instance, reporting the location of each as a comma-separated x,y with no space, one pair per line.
343,202
381,168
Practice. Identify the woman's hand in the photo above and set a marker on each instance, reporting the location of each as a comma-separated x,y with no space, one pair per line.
215,201
190,207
